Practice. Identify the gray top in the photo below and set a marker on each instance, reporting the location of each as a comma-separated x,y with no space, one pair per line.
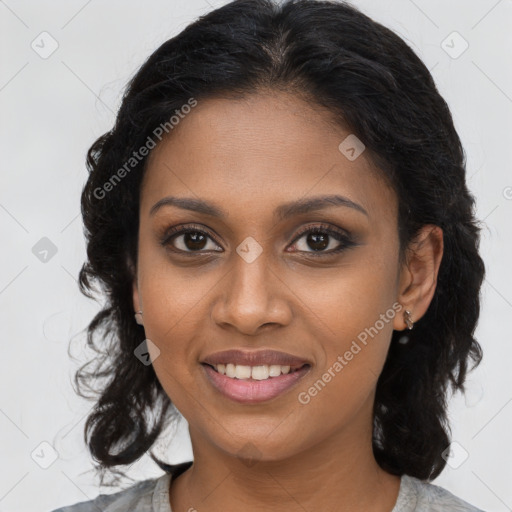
153,496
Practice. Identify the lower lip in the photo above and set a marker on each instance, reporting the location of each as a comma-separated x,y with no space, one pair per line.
253,391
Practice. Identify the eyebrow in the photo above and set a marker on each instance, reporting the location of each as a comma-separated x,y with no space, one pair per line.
282,212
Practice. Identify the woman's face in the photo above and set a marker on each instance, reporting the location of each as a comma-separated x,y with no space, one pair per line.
249,277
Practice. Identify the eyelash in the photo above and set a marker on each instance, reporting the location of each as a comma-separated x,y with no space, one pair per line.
342,237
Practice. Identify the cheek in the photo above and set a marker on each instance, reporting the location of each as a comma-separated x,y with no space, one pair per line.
352,309
174,304
174,297
347,299
341,390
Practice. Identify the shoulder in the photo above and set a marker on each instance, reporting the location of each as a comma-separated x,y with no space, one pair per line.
144,496
423,496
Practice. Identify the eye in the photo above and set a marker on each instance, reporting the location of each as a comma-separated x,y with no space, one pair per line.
322,240
189,239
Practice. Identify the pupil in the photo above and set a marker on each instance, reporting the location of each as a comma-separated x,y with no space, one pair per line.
318,241
194,241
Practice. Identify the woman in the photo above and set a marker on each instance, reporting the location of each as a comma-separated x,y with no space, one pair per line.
280,221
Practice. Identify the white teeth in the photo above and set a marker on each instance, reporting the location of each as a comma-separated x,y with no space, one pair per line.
261,372
230,370
274,370
242,372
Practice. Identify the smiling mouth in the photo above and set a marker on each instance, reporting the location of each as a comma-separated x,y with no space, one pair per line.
255,373
254,384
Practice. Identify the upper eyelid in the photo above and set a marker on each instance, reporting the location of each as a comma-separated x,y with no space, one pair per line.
322,227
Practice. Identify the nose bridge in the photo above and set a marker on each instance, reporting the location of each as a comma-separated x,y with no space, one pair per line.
250,296
251,273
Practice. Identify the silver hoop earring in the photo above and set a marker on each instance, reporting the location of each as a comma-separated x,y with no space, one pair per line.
407,319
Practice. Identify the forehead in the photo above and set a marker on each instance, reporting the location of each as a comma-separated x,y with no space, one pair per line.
261,150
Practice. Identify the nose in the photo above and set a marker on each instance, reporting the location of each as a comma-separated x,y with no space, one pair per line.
252,298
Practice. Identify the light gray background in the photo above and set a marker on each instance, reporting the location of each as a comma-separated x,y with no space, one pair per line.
52,110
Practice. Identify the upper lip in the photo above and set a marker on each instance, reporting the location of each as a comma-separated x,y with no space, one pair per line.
255,358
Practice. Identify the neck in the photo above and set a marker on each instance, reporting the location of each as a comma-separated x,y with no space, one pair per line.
338,474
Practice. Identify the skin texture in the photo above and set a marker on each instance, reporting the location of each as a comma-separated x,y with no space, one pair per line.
248,156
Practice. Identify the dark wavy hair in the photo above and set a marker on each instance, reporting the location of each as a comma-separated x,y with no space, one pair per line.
370,80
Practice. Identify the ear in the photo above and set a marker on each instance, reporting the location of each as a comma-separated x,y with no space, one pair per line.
418,276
